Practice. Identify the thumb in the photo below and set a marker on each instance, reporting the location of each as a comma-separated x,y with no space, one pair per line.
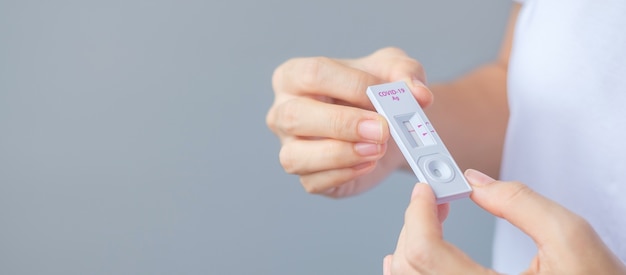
393,64
537,216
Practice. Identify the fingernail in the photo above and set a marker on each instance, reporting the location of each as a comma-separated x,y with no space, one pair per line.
367,149
478,178
371,130
418,82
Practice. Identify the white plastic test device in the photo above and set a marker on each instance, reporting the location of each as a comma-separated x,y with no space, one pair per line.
417,139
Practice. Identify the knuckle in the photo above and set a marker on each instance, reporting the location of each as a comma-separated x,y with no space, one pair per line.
332,184
310,187
335,193
285,116
518,192
397,64
577,228
419,255
279,75
343,125
398,267
391,51
335,153
407,65
360,83
270,119
415,65
310,70
287,160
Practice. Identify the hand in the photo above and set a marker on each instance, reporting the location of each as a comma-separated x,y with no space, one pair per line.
566,243
330,135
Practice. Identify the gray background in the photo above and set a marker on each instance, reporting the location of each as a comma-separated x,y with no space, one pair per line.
133,137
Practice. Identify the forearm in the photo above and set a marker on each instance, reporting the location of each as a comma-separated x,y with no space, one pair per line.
470,114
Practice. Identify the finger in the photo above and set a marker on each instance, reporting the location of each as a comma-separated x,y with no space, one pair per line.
539,217
442,211
321,76
387,264
424,247
421,236
301,156
393,64
401,243
421,217
310,118
326,181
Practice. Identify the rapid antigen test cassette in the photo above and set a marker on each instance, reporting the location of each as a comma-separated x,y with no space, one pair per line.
417,139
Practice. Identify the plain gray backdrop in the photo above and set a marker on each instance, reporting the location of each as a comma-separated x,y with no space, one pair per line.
133,137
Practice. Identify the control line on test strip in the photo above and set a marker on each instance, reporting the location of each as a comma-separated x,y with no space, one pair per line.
418,141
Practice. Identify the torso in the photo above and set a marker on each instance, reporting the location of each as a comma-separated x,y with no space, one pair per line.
567,130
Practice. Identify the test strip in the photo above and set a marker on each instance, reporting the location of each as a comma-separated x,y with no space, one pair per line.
418,141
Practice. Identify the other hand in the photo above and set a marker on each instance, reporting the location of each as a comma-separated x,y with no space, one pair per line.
567,244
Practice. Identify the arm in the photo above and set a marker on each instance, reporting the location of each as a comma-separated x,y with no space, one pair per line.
339,146
471,113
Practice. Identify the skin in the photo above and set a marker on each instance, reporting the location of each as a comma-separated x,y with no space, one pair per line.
320,111
339,146
566,243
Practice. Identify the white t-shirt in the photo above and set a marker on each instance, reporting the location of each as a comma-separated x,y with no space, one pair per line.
567,130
